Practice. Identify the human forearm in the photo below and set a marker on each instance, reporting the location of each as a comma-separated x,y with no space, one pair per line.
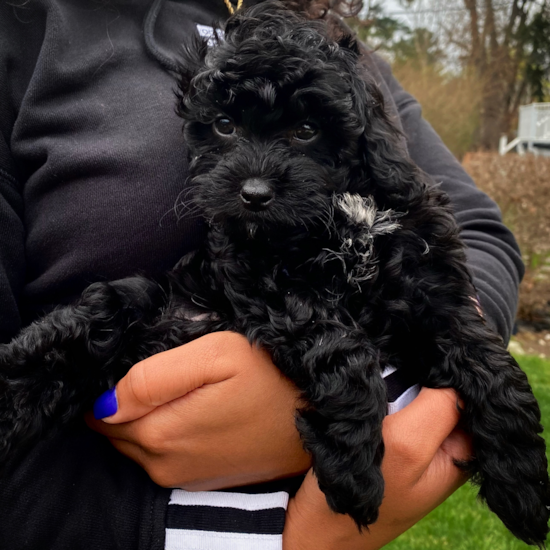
418,470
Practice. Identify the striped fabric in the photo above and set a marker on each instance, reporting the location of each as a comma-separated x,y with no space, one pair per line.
225,521
249,518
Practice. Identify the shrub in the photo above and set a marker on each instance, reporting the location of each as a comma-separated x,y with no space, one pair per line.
521,187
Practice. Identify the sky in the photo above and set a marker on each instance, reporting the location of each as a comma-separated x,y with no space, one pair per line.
392,6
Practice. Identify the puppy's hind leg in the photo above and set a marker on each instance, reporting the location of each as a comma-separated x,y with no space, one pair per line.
503,417
51,372
342,426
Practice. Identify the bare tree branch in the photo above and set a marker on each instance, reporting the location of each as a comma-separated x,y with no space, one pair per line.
471,6
511,22
491,27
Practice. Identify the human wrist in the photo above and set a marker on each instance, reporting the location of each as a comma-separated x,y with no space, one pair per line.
312,525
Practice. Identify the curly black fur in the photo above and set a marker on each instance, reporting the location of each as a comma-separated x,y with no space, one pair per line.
326,246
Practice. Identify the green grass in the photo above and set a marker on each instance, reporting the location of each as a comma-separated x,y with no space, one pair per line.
462,523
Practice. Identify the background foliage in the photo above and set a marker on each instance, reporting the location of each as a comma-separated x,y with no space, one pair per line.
521,187
478,59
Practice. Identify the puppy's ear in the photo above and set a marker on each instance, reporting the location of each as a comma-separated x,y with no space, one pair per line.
388,173
190,61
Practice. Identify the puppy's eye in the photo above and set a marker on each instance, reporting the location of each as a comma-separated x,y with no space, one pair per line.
305,132
224,126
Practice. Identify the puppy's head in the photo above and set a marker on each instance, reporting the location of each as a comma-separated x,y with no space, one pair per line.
277,121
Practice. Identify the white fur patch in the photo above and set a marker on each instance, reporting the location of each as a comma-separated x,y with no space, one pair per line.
357,247
358,209
363,211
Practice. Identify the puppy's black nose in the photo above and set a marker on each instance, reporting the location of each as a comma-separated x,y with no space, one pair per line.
256,194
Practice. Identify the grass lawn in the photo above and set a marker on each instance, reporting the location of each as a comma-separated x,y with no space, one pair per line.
462,523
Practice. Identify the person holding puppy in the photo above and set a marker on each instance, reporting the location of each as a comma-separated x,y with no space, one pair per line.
91,164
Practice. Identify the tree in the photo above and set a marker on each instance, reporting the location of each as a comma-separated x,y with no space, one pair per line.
420,49
373,26
507,45
503,44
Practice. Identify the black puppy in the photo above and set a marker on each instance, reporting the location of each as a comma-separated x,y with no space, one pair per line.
326,246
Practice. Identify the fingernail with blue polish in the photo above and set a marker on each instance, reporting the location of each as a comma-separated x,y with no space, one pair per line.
106,404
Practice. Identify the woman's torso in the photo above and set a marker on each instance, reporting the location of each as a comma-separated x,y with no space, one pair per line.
95,144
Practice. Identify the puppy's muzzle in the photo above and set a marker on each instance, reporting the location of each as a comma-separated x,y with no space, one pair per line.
256,194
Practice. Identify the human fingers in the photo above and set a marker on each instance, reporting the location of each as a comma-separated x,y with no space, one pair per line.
169,375
419,466
442,477
417,431
235,432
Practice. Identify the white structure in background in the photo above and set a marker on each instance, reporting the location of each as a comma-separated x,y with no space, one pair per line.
533,131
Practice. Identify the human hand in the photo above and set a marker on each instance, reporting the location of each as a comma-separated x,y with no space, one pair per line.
210,414
421,442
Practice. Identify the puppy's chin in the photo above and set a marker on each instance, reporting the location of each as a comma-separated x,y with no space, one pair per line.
259,229
251,229
271,230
